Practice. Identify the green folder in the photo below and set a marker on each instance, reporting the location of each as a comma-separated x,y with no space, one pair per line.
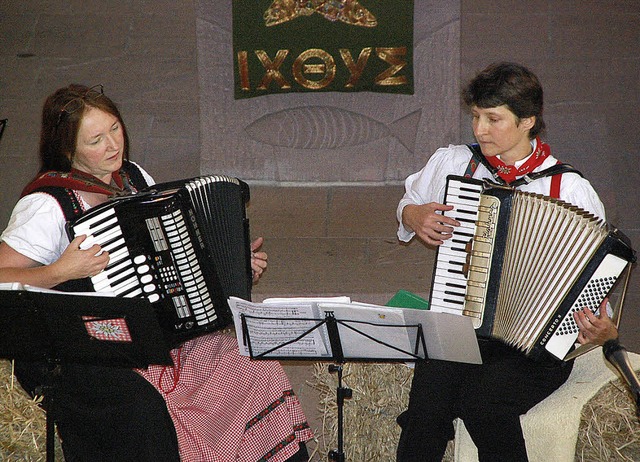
405,299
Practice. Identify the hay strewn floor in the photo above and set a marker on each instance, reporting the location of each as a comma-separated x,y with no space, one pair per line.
22,423
609,430
380,393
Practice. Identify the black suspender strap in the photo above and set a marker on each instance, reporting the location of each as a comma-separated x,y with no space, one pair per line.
70,203
478,157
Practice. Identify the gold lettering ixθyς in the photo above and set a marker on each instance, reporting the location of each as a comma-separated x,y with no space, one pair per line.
315,69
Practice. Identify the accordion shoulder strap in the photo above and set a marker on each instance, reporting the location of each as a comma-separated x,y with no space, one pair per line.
69,202
478,157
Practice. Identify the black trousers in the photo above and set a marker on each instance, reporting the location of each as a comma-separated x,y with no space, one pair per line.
104,413
489,398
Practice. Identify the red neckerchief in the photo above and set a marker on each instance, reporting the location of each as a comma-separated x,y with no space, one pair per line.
80,181
510,173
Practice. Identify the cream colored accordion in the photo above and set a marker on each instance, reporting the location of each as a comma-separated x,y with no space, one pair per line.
521,264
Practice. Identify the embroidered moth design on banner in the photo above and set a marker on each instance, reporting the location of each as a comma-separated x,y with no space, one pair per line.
348,11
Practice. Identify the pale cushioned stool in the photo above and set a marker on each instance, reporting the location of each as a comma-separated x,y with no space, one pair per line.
551,427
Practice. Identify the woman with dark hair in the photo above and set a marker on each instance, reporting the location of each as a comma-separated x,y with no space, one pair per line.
509,85
506,104
213,404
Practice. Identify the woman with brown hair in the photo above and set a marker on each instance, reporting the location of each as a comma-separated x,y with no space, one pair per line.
213,404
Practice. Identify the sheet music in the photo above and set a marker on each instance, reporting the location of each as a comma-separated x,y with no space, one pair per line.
281,328
307,300
371,331
366,331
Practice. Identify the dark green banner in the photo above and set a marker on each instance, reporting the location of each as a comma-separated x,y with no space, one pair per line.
283,46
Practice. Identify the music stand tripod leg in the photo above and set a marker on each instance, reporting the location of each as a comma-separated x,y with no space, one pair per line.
50,425
342,393
51,439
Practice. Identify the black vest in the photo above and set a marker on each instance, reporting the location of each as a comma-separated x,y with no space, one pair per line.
72,209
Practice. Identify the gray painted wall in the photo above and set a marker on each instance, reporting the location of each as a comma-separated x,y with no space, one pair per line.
143,52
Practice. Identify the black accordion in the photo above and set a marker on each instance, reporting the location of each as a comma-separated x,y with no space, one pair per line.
521,264
184,245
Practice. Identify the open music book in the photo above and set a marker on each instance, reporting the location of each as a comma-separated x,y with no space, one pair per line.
296,328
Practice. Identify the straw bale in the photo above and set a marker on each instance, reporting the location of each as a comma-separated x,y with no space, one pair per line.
379,393
22,422
609,429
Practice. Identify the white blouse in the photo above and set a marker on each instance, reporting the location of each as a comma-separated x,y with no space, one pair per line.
36,227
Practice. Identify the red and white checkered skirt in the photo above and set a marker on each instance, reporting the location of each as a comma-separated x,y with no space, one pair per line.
226,407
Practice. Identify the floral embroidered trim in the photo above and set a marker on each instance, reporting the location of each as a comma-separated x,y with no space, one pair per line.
288,440
269,409
279,447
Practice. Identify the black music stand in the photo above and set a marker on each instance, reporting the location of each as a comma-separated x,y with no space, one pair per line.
333,328
56,328
346,340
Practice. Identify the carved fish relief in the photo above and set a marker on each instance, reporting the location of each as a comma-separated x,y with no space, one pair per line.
323,127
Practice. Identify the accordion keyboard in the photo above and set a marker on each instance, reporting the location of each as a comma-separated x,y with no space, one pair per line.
450,281
148,274
188,267
124,276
